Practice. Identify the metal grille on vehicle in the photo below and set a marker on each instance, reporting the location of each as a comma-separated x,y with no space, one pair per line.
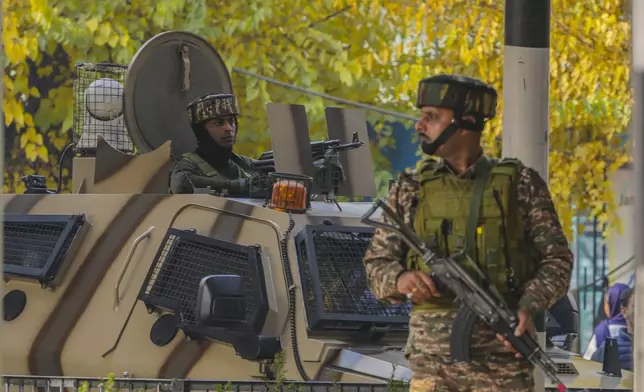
338,297
98,107
58,384
33,383
183,259
566,369
39,247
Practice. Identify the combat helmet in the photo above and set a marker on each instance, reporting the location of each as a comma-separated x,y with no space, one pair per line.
211,106
465,96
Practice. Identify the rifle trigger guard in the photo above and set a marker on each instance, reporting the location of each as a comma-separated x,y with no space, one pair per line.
510,272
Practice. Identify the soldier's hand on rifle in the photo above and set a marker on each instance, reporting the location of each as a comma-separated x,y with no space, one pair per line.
267,166
525,325
257,184
417,286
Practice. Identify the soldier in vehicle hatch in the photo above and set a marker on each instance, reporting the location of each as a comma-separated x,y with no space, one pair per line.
214,164
512,233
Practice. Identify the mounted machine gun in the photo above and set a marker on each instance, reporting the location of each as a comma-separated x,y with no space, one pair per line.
328,175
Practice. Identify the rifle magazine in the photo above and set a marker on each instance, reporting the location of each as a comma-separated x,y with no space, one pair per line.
461,337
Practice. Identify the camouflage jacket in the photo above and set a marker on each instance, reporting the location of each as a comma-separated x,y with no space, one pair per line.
187,174
430,332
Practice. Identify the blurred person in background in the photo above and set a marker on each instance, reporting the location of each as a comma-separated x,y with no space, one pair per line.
614,323
625,335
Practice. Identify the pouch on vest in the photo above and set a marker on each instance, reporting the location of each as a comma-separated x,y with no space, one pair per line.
499,229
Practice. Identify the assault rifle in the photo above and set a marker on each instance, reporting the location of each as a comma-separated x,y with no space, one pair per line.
477,303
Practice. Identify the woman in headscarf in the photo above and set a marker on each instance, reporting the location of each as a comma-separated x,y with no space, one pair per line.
613,307
625,339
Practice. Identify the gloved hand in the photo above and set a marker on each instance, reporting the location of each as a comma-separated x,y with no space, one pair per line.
265,166
257,186
238,187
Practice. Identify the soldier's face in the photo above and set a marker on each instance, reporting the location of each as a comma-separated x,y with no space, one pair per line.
432,123
222,130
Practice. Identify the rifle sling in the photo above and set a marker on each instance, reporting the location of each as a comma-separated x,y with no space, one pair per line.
482,172
240,162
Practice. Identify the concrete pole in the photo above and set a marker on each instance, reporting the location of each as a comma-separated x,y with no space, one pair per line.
637,131
526,96
2,142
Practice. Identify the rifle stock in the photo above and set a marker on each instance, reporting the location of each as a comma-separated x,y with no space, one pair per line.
477,303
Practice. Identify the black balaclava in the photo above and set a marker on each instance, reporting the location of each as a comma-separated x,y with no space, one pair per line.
208,149
204,109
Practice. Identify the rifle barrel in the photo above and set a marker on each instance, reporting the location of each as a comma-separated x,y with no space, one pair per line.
318,149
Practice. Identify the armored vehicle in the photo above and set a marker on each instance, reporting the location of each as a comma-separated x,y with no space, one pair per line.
122,277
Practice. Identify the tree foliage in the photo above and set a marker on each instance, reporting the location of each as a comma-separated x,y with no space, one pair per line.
369,51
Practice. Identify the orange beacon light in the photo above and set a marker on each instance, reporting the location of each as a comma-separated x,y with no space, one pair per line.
289,193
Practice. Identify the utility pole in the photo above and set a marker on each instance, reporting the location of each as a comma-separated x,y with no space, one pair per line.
526,96
637,132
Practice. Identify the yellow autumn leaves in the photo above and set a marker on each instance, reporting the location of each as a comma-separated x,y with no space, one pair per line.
590,94
32,143
30,140
17,45
370,51
104,34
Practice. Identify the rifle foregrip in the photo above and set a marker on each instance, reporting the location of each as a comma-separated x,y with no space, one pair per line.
530,350
524,344
461,338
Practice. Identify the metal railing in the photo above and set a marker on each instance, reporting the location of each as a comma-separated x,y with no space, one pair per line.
75,384
89,384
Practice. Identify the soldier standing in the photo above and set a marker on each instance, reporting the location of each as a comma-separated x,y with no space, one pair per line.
499,211
213,164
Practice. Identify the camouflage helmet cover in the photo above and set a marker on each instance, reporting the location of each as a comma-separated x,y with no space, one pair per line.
460,93
212,106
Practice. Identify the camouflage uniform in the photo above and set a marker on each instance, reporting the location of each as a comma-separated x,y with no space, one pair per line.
194,170
493,367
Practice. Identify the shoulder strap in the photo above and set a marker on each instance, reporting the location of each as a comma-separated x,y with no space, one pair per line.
509,167
482,174
202,165
487,166
510,161
243,163
427,171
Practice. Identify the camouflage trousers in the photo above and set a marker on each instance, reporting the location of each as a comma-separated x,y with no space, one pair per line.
493,372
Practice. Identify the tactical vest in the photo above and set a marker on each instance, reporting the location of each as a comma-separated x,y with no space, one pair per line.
497,244
207,170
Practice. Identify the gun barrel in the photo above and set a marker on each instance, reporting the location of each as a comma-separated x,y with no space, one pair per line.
324,143
317,148
348,146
